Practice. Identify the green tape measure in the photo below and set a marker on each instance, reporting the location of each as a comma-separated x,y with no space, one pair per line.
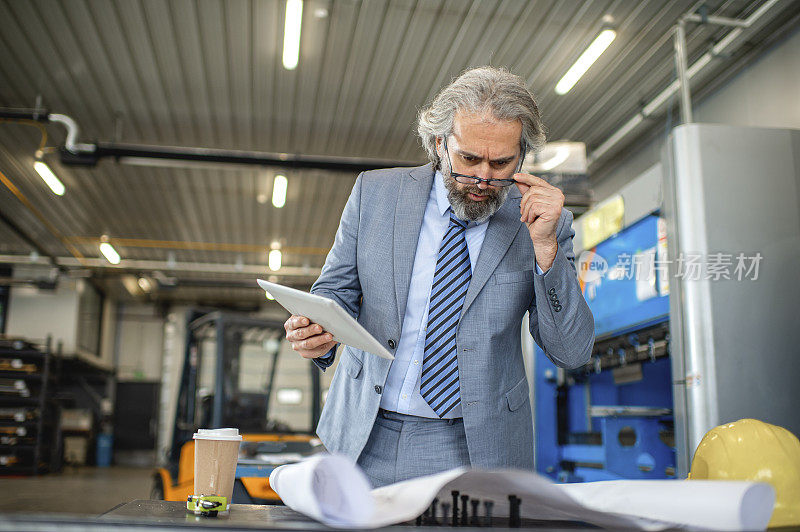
208,505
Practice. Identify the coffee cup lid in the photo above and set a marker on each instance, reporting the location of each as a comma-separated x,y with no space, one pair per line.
217,434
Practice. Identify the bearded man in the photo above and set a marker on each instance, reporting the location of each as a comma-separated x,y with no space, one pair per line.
440,263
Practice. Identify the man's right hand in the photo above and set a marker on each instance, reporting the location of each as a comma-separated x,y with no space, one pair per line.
308,338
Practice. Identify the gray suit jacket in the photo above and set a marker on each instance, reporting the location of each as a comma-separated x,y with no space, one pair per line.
368,272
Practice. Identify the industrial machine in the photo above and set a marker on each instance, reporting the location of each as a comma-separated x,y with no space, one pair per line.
612,418
266,443
689,271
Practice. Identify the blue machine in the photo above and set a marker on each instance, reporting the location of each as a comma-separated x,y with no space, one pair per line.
612,419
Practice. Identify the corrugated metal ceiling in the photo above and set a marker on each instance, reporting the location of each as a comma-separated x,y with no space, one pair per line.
208,73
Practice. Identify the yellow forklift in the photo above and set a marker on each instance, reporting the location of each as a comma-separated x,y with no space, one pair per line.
266,443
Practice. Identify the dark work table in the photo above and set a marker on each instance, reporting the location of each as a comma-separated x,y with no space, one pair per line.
153,516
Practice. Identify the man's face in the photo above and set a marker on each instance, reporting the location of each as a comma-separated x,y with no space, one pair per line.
484,147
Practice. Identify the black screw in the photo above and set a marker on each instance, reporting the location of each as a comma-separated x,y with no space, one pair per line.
513,511
474,519
464,511
487,508
454,522
445,511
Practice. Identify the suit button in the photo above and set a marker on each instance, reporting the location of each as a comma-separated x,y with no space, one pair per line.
553,297
551,291
557,308
378,389
391,344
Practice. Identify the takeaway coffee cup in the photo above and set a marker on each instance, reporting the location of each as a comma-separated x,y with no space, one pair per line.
216,452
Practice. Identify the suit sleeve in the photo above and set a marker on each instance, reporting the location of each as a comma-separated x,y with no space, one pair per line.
560,319
339,277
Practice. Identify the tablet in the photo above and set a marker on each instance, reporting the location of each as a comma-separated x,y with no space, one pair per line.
333,318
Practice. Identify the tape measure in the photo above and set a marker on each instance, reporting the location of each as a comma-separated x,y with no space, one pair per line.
207,505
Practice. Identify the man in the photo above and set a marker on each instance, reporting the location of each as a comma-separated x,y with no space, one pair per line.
440,263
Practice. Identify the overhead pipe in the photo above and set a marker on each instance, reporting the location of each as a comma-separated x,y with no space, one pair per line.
141,154
81,154
680,65
71,143
38,115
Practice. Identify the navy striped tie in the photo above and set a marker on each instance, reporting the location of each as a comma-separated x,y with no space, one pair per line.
439,380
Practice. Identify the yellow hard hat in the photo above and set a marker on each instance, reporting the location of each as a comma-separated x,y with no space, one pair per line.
750,449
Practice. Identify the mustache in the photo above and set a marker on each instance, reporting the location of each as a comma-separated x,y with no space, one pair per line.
480,192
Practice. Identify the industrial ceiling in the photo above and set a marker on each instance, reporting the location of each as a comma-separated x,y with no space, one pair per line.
208,73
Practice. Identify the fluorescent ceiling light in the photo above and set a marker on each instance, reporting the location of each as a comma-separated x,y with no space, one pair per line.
586,60
291,34
50,178
109,253
279,191
274,260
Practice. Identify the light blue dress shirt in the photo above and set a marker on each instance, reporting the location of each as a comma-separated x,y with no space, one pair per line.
401,390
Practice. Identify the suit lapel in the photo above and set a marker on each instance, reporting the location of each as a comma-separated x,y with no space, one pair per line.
415,188
502,230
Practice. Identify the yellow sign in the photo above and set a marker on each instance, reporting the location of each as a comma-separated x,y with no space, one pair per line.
603,221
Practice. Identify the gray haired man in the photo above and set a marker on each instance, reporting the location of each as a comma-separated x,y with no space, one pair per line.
440,263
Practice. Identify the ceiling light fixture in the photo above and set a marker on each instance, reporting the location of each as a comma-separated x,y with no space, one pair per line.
279,187
109,253
50,178
274,260
291,34
587,58
145,284
131,285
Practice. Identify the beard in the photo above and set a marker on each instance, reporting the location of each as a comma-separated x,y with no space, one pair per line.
468,209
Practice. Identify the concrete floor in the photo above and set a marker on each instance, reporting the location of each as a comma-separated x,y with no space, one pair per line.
76,490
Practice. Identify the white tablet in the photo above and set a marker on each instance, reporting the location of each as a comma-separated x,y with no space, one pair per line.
333,318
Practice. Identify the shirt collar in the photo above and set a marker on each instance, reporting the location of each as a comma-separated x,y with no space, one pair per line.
442,202
441,193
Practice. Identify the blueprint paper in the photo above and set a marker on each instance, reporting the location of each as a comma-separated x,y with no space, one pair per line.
634,504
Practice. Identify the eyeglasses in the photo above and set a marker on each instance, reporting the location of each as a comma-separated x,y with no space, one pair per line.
472,180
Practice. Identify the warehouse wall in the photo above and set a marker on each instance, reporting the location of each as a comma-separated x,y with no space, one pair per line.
765,94
140,342
35,314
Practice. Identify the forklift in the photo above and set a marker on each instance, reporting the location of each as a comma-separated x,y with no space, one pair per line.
266,443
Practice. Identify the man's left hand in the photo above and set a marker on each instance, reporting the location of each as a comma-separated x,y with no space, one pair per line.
540,209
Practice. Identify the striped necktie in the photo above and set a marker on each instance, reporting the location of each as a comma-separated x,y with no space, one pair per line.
439,379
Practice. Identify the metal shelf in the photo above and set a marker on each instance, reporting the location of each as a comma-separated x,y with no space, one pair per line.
25,447
19,375
22,353
31,455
